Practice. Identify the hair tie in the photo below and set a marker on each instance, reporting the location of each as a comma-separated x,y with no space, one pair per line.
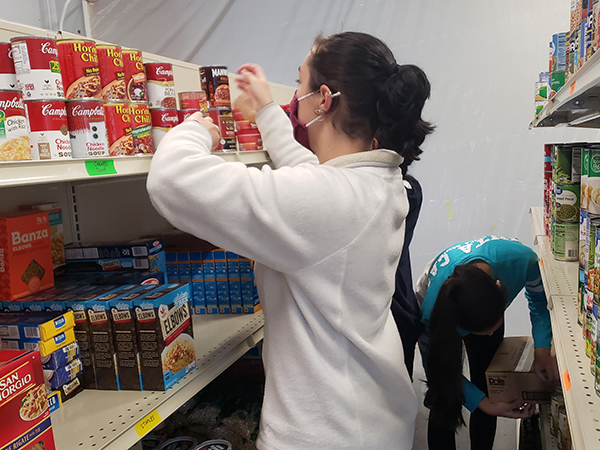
393,68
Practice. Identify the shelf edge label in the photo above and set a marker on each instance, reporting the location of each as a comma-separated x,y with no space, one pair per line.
572,89
98,167
147,423
566,381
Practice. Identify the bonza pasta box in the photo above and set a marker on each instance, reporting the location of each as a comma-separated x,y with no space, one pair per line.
24,412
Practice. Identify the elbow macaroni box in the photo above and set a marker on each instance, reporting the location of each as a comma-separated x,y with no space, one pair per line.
210,282
510,376
172,267
165,336
235,285
25,255
197,276
222,282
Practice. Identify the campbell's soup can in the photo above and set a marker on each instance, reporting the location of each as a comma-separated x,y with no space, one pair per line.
79,68
37,67
163,120
135,76
223,117
8,78
118,128
87,128
249,141
48,129
14,139
183,114
141,128
215,82
161,86
112,75
193,100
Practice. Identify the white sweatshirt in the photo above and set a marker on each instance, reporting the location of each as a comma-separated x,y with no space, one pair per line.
326,240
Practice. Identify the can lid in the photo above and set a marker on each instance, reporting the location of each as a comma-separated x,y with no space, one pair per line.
219,108
84,99
117,102
200,91
157,62
163,109
52,99
76,40
21,38
135,102
107,46
131,50
220,66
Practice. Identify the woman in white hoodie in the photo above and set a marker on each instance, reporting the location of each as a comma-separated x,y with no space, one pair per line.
325,228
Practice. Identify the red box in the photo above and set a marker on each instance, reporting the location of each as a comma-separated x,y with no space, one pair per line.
24,411
25,254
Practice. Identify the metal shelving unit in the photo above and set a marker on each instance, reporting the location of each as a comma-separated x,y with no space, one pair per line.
549,442
560,282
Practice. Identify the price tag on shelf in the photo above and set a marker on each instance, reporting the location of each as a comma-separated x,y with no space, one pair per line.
572,88
566,381
147,423
98,167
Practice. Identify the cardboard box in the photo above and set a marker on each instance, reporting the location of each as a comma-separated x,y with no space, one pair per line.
234,280
61,357
41,325
222,282
25,255
172,267
210,282
510,376
197,276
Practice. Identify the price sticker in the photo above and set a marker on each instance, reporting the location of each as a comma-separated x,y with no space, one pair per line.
572,88
98,167
147,423
566,381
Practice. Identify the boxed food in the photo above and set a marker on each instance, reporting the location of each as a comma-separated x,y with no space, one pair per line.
65,392
235,286
222,282
510,376
250,301
197,288
172,267
39,325
183,264
25,255
151,263
165,336
61,357
60,376
44,347
210,283
24,408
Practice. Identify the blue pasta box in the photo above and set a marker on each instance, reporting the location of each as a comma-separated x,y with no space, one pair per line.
183,265
61,357
234,280
222,282
210,282
172,268
197,276
55,378
250,302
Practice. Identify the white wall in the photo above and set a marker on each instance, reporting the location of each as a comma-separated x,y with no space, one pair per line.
44,14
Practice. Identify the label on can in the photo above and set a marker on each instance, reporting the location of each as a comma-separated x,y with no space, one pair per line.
567,164
183,114
215,82
118,128
566,202
14,140
8,78
223,117
593,181
556,401
79,67
585,168
162,121
49,132
566,241
564,437
141,128
87,128
249,141
135,76
193,100
37,67
161,87
594,336
112,75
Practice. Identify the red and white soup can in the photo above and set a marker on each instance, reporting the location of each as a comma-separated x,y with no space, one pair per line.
87,128
249,141
8,78
118,128
49,129
37,67
215,82
163,120
196,100
183,114
79,67
161,85
112,75
141,128
14,138
223,117
135,76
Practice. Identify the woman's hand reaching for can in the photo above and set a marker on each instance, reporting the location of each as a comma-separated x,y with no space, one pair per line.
252,81
207,123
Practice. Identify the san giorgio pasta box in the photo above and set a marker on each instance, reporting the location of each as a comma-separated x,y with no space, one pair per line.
165,336
24,411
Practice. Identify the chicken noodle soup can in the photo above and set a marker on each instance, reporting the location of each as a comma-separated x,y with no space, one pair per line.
118,128
135,76
87,128
49,129
112,75
566,241
141,128
160,84
79,68
14,139
215,82
37,67
8,78
163,120
223,117
183,114
193,100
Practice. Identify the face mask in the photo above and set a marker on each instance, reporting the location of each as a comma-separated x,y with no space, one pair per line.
300,129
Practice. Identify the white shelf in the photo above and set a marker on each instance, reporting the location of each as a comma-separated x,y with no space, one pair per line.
560,281
107,419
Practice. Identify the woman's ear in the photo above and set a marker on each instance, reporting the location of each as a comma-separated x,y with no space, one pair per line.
325,99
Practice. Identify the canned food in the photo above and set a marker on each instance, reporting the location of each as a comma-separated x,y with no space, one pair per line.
594,336
593,181
14,141
556,401
215,82
564,436
566,168
141,128
49,130
118,128
566,202
215,444
223,117
193,100
79,67
163,120
597,372
160,84
183,114
135,77
585,163
582,285
566,241
250,141
8,78
112,76
87,128
37,67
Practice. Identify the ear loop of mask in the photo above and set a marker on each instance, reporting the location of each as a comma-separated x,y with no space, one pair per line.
319,117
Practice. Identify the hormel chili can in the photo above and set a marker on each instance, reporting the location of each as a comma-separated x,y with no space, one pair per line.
118,128
163,120
37,67
223,117
135,77
193,100
183,114
215,82
249,141
161,87
49,129
141,127
112,75
8,78
79,68
14,140
87,128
